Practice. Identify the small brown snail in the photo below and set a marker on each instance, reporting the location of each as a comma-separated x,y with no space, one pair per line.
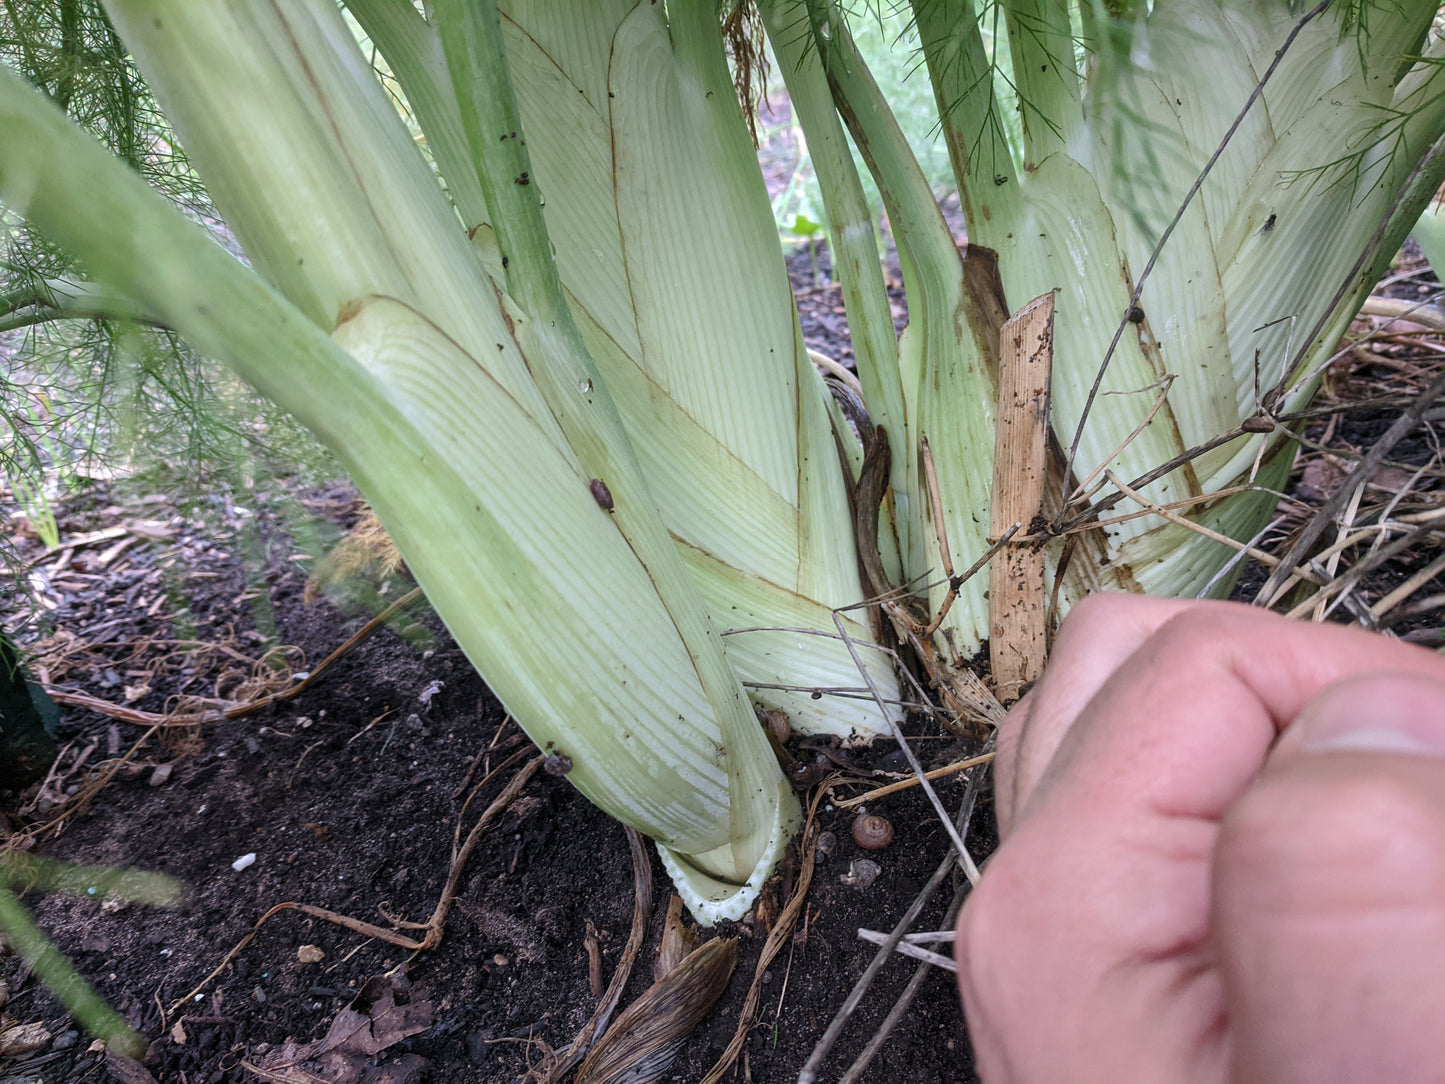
872,832
802,774
807,773
861,873
776,723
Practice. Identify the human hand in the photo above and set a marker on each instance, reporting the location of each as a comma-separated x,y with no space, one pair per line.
1180,897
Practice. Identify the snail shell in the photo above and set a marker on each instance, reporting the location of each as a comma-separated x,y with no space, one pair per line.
802,774
872,832
861,873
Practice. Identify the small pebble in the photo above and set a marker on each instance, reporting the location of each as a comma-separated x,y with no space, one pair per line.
65,1040
244,862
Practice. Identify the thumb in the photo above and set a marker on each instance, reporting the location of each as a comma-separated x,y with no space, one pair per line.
1328,910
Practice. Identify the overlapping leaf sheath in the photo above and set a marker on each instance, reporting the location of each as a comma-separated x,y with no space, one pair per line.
1268,261
666,244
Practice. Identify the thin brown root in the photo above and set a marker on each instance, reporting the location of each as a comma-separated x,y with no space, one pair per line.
237,711
911,781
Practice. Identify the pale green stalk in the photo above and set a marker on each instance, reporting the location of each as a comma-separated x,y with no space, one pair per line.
667,249
852,243
969,109
1429,234
1041,46
579,397
1265,265
416,57
43,300
700,352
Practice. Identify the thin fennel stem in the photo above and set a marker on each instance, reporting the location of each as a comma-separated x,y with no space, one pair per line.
414,51
850,233
969,111
1044,74
472,40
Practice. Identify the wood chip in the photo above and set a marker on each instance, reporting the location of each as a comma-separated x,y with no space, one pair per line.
112,552
23,1039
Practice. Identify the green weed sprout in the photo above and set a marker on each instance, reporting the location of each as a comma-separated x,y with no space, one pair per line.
21,872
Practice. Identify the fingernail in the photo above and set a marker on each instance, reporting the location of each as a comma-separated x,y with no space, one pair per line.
1391,713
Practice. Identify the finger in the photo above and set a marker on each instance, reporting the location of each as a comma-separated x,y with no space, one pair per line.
1183,725
1095,913
1329,892
1111,851
1100,634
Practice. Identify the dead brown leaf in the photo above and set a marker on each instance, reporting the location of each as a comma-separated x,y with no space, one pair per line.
382,1014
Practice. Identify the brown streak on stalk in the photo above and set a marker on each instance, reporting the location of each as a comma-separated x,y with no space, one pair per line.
985,307
1018,602
867,496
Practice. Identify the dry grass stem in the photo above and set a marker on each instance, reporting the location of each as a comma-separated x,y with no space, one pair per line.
904,784
909,949
1082,491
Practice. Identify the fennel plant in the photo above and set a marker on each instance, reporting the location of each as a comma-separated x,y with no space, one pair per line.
584,410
